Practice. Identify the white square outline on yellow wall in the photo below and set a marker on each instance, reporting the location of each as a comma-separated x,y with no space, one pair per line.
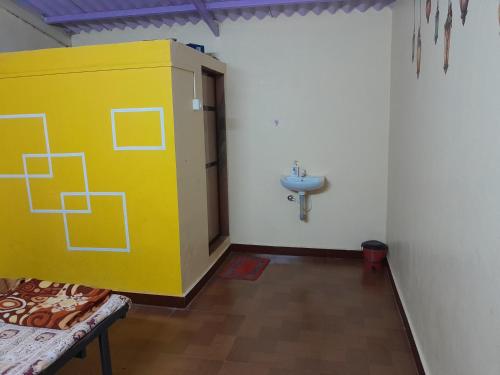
161,113
47,145
70,247
87,194
80,155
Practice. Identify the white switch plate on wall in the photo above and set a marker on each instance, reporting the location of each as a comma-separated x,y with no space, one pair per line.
196,105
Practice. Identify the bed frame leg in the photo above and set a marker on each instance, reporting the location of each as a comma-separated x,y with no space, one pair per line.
105,354
82,354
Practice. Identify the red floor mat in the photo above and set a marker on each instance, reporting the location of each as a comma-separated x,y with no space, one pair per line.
244,267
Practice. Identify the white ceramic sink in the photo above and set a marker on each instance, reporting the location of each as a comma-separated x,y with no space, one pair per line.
302,184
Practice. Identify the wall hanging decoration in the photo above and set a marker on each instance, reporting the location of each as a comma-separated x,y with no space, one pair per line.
436,24
419,53
464,4
419,42
428,8
447,36
413,38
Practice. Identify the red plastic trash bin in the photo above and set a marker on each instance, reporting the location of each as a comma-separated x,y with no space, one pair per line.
374,253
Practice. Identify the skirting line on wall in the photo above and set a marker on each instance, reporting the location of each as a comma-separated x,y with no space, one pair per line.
183,302
296,251
177,302
406,323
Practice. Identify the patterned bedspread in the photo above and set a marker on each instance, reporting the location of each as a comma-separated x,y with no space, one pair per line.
45,304
29,351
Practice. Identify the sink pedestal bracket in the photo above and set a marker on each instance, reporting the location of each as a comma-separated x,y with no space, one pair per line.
302,203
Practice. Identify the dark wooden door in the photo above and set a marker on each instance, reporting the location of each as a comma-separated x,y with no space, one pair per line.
211,156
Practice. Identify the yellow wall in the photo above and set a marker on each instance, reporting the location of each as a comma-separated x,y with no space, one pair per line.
77,89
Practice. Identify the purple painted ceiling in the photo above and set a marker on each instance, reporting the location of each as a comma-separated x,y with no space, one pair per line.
86,15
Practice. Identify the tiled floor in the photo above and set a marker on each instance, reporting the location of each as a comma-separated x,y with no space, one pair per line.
303,316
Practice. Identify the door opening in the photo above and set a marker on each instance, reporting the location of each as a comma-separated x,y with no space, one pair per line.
215,158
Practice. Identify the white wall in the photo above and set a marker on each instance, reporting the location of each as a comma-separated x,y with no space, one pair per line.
326,79
444,189
17,35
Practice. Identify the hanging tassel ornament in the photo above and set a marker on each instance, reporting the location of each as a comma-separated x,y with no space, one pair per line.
413,38
464,4
447,36
436,24
419,40
419,53
428,9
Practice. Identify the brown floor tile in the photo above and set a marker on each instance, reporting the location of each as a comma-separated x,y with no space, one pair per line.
303,316
238,368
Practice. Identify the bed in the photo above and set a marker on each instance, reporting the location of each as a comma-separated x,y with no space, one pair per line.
32,351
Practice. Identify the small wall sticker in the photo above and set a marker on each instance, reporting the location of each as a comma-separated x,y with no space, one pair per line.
447,36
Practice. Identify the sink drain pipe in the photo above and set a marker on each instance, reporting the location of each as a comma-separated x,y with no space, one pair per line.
302,203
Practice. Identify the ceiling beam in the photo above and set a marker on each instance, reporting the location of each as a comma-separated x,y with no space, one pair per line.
28,14
206,16
182,8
